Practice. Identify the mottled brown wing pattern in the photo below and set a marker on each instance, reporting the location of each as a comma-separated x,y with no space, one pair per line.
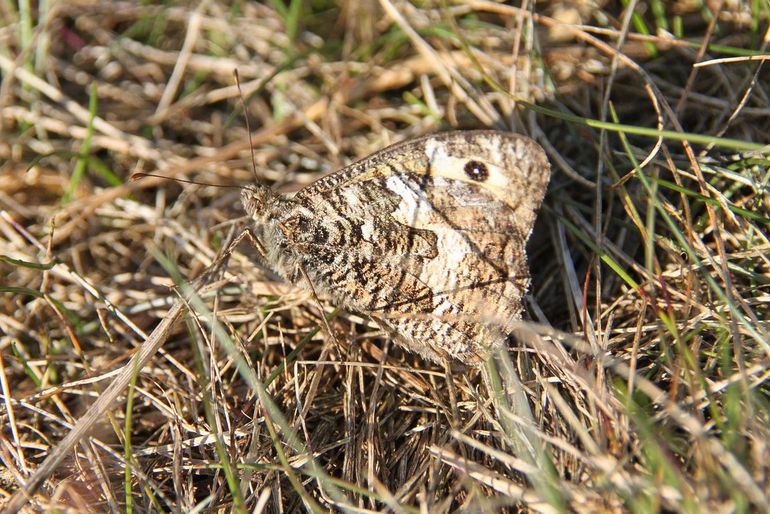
427,237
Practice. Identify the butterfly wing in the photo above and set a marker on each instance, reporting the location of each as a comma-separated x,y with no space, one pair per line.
428,237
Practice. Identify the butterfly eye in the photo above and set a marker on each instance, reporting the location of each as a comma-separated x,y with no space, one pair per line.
476,171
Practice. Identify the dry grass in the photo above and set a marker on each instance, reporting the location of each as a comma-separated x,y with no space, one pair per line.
645,372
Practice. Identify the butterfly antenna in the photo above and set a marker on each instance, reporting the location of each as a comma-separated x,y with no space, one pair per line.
140,175
248,125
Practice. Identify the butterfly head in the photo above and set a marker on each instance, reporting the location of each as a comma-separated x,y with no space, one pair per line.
256,200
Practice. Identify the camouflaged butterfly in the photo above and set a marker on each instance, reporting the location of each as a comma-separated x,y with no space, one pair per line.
427,237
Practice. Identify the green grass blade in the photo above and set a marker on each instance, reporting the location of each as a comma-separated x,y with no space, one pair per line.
85,150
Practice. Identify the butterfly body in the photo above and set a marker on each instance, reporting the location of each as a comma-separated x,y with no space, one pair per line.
427,237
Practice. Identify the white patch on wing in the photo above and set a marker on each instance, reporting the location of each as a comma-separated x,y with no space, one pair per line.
414,210
366,230
351,197
412,206
453,246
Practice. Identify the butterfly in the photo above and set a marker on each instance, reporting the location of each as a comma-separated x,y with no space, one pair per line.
426,237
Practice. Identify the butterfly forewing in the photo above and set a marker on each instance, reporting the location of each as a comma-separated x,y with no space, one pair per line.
427,237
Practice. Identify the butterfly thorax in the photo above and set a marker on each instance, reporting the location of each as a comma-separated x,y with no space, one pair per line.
269,212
